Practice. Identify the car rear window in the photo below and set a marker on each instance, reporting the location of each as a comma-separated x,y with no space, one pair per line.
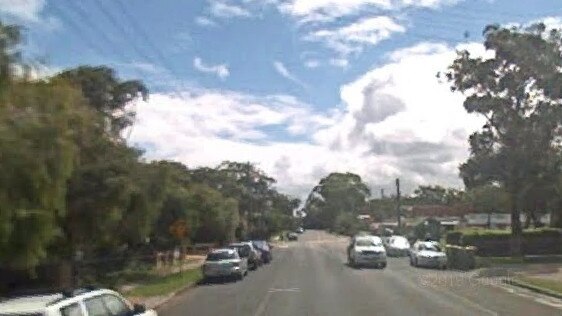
222,255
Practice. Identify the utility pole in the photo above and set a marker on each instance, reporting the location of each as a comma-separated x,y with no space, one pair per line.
398,202
382,194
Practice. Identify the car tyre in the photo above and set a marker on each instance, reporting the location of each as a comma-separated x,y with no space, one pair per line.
383,265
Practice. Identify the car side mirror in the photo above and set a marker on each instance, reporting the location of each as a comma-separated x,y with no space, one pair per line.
138,309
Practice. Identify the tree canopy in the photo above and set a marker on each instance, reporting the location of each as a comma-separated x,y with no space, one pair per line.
519,93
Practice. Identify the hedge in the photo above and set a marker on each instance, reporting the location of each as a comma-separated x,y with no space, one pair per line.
461,258
543,241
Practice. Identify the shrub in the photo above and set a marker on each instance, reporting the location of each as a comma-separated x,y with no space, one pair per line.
541,241
453,238
461,258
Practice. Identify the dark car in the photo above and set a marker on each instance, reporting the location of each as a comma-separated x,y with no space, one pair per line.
292,236
265,249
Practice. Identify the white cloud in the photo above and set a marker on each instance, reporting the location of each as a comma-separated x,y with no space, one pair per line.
312,63
354,37
285,73
204,21
339,62
553,22
397,120
328,10
222,9
220,70
27,10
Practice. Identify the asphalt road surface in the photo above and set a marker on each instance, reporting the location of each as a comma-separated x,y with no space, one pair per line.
310,277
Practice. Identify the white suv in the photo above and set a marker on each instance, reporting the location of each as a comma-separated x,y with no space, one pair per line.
81,302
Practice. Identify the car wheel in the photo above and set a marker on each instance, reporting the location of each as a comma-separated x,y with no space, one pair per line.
383,265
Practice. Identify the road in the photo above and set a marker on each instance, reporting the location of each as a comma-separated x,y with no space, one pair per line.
310,277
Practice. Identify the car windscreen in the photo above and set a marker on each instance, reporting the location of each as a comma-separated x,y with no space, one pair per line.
222,255
365,243
399,242
262,245
430,247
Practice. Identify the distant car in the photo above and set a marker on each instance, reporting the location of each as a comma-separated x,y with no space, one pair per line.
398,246
292,236
367,251
247,250
428,254
84,302
225,263
265,249
300,230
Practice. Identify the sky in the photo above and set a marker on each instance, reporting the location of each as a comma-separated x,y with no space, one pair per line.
301,88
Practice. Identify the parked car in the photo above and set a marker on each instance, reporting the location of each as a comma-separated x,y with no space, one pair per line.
265,249
225,263
428,254
86,302
367,251
300,230
292,236
398,246
247,250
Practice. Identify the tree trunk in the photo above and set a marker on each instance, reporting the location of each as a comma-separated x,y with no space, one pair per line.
516,229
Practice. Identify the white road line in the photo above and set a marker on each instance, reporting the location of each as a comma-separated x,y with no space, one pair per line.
295,289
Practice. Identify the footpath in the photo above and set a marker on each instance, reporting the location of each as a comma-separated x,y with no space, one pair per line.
537,276
167,284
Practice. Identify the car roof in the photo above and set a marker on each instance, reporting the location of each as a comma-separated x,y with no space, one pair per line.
38,303
28,304
376,239
229,250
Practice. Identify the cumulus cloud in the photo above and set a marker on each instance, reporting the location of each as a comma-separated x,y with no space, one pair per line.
396,120
27,10
354,37
328,10
220,70
223,9
285,73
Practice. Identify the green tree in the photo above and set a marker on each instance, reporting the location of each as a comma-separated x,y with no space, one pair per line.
107,94
519,93
37,121
335,194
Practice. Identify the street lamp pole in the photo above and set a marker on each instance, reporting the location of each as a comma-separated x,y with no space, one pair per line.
398,203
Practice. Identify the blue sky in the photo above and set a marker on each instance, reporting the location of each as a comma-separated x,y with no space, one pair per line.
300,87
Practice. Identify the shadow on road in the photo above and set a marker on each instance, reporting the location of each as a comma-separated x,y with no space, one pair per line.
216,281
356,267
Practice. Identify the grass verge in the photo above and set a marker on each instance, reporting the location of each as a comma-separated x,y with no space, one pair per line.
157,286
483,262
551,285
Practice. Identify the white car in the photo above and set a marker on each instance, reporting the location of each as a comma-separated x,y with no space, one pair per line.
81,302
367,251
428,254
398,246
225,263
